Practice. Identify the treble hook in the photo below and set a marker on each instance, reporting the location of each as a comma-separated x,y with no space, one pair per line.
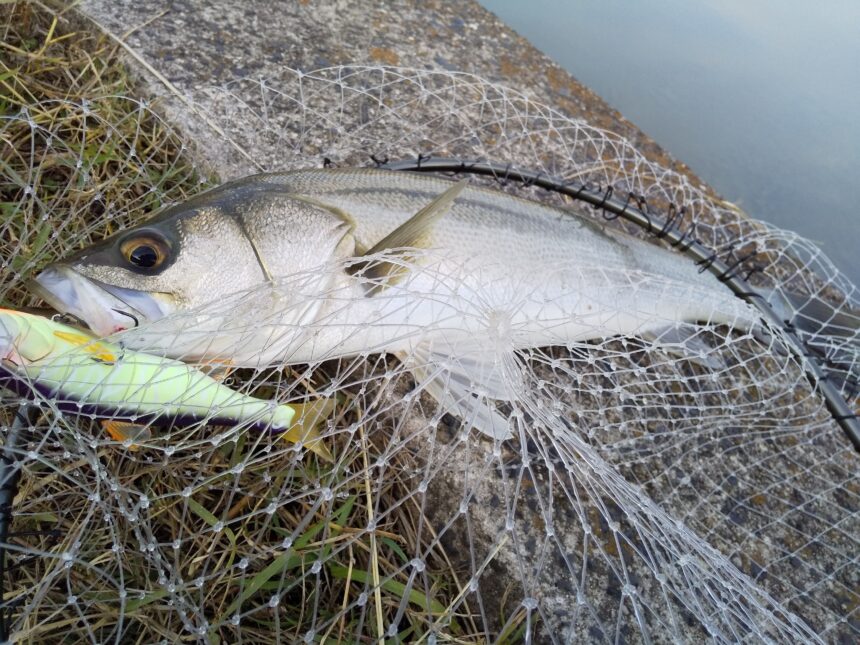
125,313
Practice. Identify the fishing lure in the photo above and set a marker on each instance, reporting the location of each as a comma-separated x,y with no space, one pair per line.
90,376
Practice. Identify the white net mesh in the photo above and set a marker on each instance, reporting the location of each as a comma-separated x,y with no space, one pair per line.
693,486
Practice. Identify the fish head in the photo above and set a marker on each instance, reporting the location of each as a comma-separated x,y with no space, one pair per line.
198,252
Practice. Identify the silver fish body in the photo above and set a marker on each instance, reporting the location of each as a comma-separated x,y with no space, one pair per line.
273,269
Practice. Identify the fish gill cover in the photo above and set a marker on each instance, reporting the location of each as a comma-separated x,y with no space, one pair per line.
680,487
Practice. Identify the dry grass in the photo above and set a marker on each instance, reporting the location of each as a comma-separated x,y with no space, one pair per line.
79,159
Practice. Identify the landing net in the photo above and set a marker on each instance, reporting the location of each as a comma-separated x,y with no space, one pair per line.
680,488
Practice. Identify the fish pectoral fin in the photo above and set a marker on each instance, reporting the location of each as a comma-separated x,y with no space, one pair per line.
413,233
466,385
306,422
123,431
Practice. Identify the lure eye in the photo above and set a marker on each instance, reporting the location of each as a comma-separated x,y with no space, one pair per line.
144,251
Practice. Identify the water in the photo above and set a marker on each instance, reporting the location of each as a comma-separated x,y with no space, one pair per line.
761,99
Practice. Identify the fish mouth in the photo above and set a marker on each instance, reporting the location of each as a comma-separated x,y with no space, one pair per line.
106,309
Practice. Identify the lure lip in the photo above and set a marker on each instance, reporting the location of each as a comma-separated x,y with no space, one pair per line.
106,309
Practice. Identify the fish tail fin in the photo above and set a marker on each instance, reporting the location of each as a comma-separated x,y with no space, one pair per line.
305,426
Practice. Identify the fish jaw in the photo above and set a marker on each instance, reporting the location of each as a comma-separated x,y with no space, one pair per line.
104,308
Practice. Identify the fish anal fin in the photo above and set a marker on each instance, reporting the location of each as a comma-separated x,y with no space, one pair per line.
306,422
413,233
466,385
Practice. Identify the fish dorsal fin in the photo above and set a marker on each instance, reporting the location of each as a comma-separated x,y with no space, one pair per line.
413,233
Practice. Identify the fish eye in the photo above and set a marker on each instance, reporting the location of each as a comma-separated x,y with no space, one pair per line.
144,251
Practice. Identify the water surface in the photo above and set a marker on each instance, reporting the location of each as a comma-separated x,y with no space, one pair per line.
760,98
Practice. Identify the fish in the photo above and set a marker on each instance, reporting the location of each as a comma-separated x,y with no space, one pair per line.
315,264
85,375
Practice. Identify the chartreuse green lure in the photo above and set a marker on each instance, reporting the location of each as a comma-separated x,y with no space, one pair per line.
83,373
